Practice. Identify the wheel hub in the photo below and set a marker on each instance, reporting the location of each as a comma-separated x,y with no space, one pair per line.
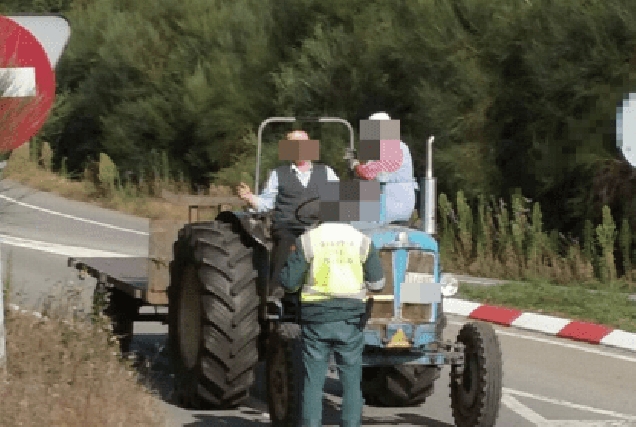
470,381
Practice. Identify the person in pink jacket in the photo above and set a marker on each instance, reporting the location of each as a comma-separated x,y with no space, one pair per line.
395,169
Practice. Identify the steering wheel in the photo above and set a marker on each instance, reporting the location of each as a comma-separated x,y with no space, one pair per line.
311,216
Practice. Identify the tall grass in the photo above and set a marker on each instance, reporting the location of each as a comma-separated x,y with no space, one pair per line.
64,370
508,241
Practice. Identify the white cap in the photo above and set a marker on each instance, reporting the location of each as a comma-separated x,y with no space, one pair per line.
379,116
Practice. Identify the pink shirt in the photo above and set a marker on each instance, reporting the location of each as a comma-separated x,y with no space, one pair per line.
391,156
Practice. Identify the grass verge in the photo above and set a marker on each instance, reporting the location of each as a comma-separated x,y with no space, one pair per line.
137,200
65,370
609,308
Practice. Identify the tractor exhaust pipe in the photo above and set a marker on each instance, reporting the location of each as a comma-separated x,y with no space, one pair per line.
428,193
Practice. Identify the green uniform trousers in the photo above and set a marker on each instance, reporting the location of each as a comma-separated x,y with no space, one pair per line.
346,340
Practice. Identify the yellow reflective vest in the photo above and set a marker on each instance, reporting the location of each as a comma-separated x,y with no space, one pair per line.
336,253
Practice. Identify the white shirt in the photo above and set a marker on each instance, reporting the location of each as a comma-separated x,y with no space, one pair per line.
267,198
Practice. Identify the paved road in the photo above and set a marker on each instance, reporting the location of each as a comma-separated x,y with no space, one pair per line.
549,381
39,231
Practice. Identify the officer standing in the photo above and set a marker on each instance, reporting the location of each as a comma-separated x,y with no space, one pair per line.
334,264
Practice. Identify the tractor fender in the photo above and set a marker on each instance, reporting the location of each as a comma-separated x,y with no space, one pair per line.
248,223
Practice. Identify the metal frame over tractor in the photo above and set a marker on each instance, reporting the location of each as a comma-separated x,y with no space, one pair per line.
222,320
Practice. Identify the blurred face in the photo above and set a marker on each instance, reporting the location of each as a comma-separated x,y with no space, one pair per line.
299,149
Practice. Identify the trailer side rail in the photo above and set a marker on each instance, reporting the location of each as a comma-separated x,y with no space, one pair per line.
129,275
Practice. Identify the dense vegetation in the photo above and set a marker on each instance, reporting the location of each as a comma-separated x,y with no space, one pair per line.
521,100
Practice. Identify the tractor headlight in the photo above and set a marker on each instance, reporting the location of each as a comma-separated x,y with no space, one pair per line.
450,285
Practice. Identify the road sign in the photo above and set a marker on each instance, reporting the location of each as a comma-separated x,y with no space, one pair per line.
626,128
27,84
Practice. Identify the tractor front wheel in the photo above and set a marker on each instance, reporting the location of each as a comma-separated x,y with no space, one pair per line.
476,392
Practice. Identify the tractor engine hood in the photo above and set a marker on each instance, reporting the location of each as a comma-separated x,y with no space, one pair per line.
388,236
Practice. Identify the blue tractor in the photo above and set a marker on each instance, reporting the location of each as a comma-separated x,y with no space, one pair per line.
223,320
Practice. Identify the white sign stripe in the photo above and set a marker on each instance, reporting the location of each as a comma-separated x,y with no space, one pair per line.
540,323
620,339
57,249
17,82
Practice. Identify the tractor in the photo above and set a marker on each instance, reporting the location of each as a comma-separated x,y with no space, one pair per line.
213,276
223,321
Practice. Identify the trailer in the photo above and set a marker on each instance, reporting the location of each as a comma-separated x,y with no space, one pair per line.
127,284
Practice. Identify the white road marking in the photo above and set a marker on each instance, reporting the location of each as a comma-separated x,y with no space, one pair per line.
559,343
55,248
522,410
569,404
21,82
540,323
590,423
88,221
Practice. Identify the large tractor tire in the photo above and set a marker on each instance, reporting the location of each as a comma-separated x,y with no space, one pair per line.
476,392
120,309
213,316
284,376
398,386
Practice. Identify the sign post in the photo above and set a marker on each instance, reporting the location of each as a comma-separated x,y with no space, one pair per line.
30,46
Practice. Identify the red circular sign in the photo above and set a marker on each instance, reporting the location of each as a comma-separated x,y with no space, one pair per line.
27,85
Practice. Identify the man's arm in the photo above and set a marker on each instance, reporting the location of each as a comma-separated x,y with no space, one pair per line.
373,273
266,198
371,169
293,273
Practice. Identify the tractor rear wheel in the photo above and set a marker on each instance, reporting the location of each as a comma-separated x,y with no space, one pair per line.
398,386
213,316
476,392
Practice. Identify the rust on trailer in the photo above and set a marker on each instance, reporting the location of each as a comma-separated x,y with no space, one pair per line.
163,234
130,275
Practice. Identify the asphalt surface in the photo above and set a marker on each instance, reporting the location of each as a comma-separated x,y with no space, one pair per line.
548,381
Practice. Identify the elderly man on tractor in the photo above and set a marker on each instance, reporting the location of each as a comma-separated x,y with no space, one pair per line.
288,186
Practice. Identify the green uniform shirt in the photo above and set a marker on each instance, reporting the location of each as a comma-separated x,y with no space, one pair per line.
337,309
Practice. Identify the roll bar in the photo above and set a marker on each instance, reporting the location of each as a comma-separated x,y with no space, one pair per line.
292,120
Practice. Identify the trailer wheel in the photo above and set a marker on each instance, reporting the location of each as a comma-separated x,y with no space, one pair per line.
284,376
398,386
120,309
476,392
213,316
